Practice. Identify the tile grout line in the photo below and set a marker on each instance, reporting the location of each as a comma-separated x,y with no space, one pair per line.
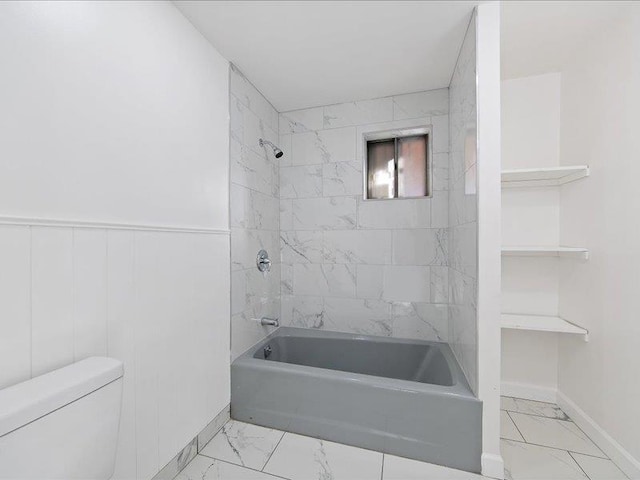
556,448
240,466
272,452
568,419
578,463
288,131
591,440
515,425
530,401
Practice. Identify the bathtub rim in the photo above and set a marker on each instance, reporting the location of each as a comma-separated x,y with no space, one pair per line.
460,387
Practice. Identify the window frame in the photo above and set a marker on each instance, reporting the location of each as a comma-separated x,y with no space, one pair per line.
393,134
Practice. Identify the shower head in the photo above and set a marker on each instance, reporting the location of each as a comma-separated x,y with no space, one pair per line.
276,151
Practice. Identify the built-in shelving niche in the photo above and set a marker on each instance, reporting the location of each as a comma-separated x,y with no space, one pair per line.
543,177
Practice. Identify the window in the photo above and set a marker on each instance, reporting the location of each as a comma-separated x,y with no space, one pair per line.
398,167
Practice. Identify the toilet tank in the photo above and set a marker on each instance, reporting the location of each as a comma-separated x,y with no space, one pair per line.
64,424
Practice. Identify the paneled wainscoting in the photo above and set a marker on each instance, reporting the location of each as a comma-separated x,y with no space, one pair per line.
155,298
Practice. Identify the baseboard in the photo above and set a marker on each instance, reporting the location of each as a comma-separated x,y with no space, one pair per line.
492,466
177,463
529,392
182,459
621,457
214,427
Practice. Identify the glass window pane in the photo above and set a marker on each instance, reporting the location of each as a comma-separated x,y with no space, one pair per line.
412,166
381,182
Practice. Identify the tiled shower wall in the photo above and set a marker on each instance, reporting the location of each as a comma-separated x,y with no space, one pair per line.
463,224
254,213
374,267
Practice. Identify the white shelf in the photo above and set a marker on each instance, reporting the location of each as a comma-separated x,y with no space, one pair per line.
541,323
543,177
551,251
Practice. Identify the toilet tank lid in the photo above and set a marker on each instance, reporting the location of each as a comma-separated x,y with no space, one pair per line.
27,401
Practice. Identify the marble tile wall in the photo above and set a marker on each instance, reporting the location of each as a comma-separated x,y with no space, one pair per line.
373,267
463,226
254,213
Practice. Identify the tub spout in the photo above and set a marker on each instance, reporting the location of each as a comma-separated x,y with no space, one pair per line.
269,322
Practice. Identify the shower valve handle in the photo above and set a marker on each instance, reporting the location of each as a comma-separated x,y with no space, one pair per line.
262,261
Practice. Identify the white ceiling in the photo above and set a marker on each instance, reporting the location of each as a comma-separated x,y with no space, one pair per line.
308,53
540,37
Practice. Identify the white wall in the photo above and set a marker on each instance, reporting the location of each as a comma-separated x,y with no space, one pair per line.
376,267
488,195
104,105
530,216
531,121
600,105
530,139
117,112
529,364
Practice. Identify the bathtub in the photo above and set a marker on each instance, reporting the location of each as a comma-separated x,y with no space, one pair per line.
403,397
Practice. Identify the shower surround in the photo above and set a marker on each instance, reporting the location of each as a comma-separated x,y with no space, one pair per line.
403,268
377,267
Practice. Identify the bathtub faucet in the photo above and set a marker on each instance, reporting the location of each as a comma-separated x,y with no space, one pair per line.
269,322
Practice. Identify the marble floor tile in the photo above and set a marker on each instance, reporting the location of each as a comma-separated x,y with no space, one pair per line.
508,429
598,468
205,468
554,433
243,444
305,458
398,468
532,462
531,407
557,450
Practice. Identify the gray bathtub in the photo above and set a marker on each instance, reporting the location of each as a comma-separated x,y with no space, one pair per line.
403,397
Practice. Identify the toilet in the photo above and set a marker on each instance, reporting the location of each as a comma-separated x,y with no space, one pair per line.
64,424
